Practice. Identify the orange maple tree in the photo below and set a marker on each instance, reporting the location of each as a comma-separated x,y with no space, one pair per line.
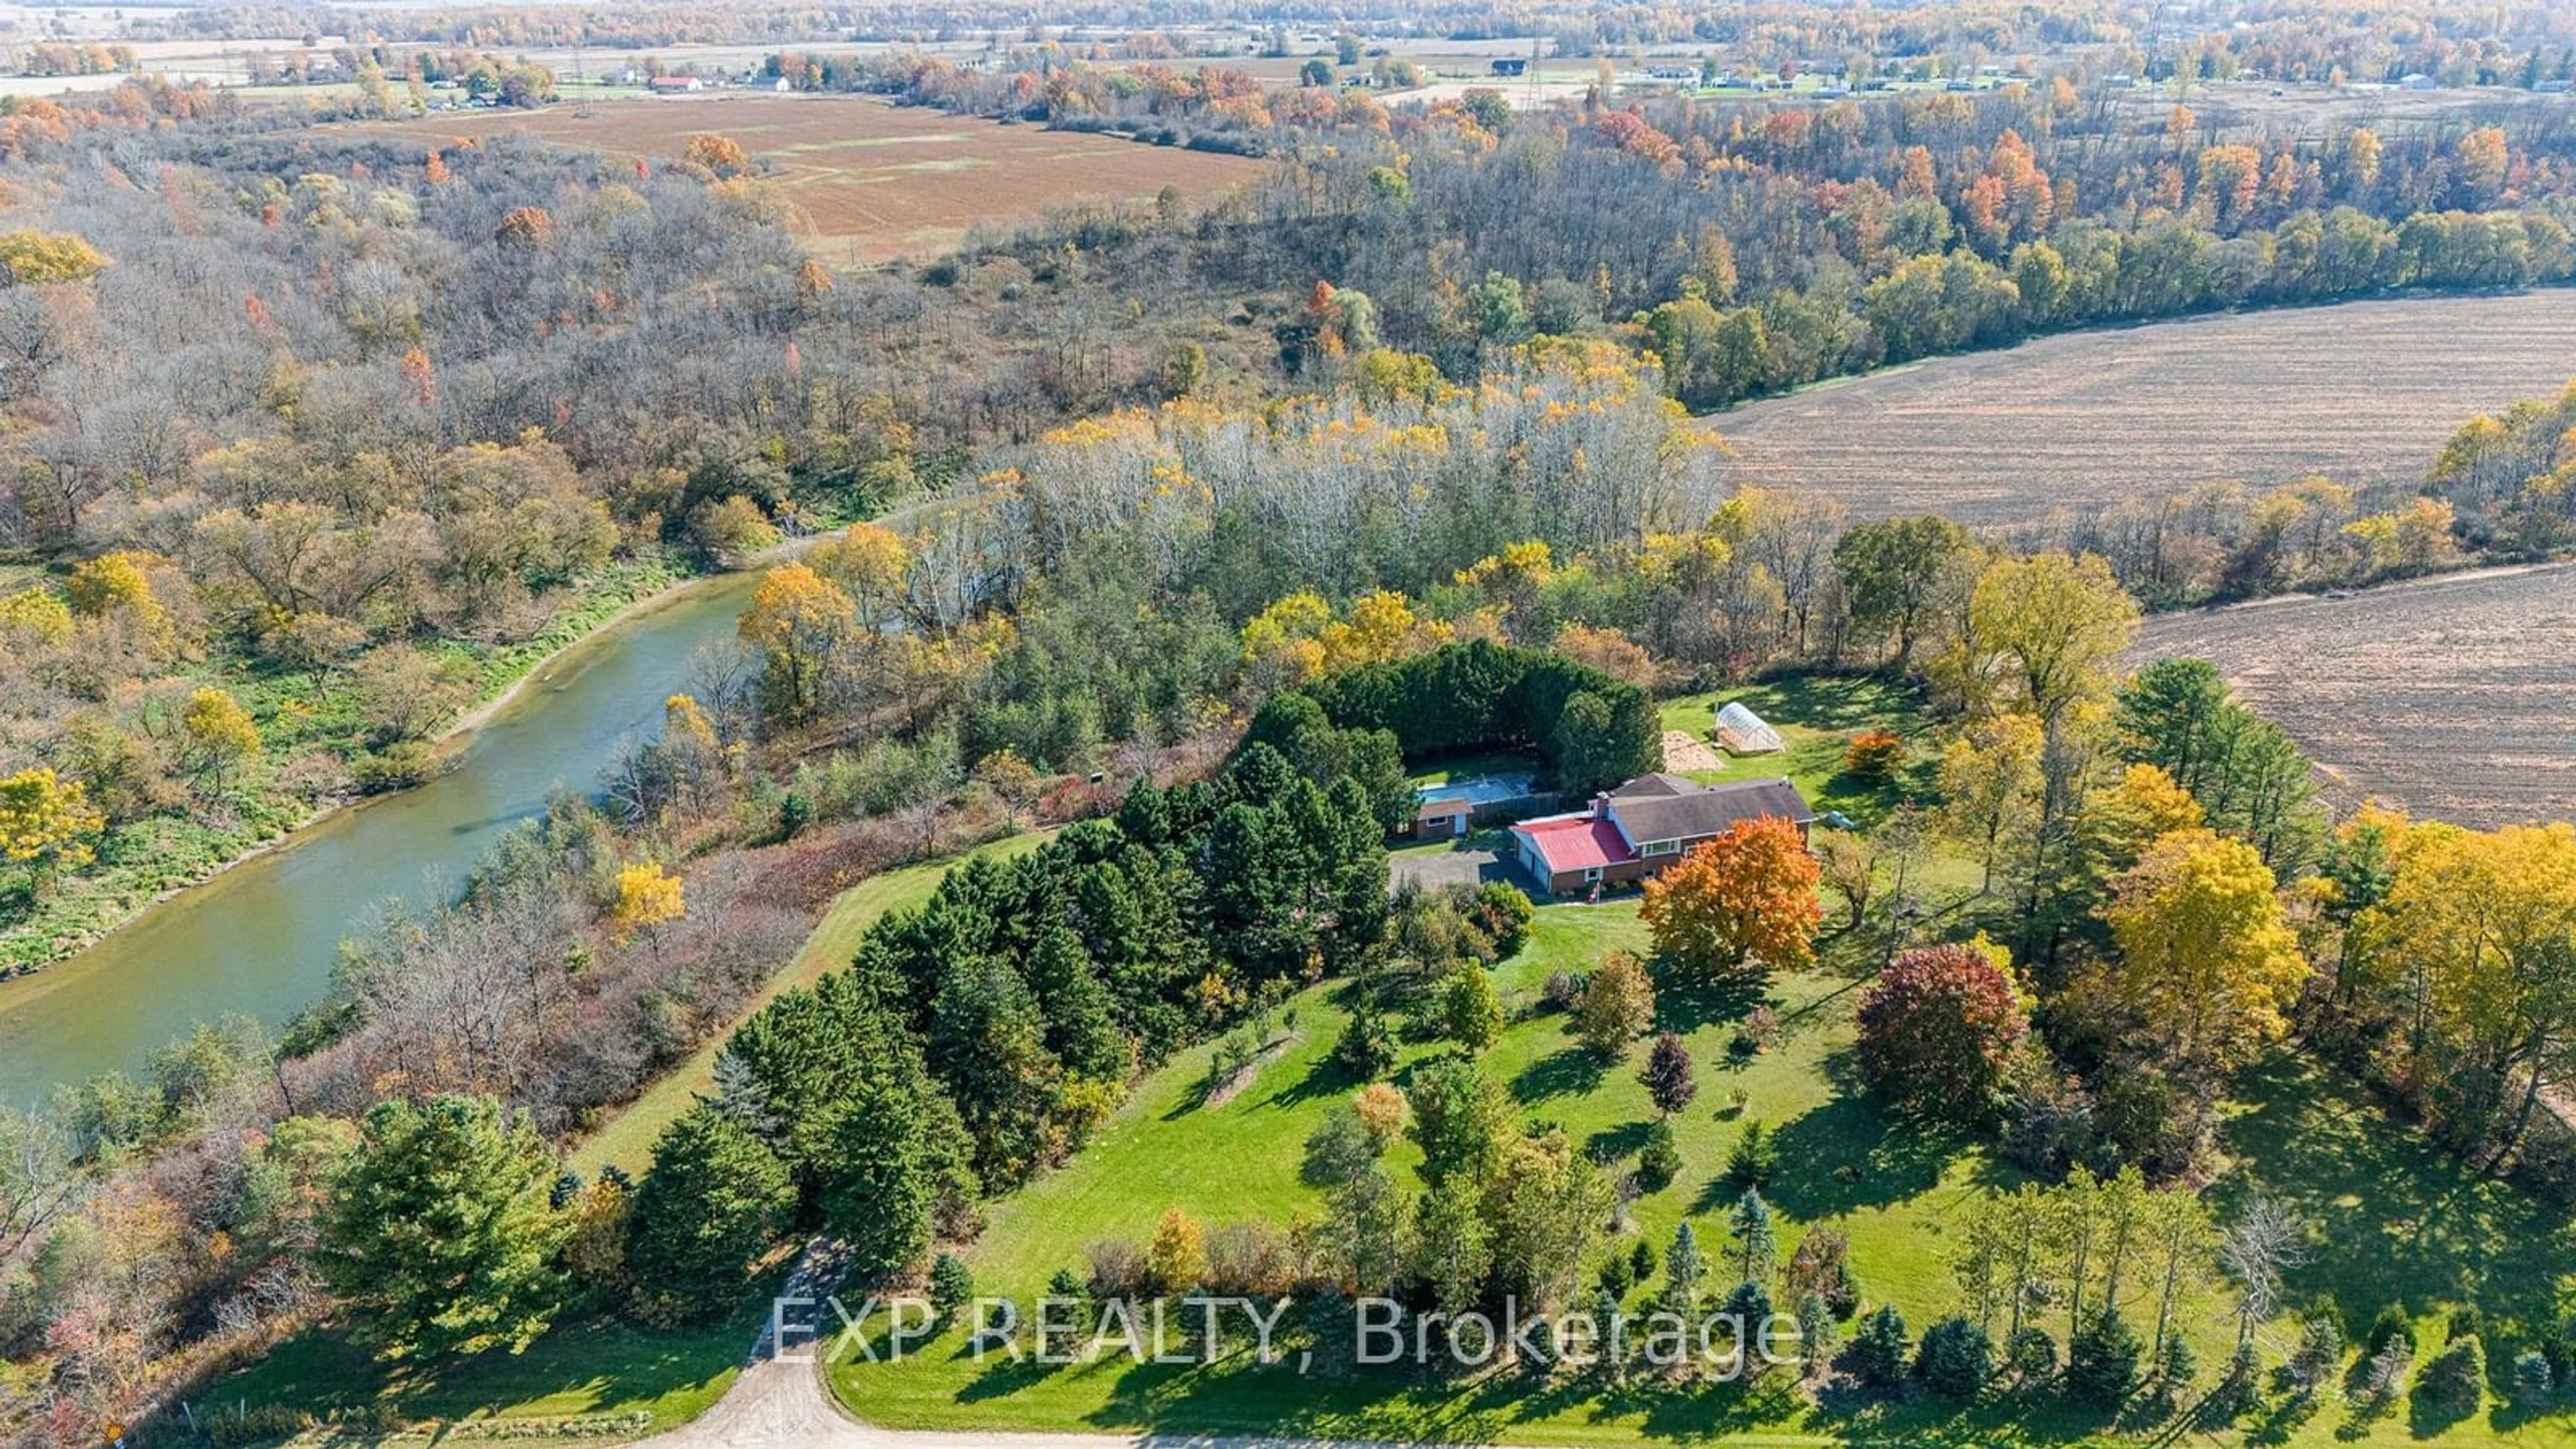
1748,896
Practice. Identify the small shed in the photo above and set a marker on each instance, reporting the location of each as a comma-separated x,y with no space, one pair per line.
1743,732
1441,816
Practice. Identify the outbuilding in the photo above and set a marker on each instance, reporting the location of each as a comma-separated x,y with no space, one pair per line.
1745,733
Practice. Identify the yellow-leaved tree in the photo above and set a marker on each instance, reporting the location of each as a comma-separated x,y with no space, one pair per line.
647,896
2207,956
217,734
872,565
33,258
796,619
1990,781
2055,625
2481,926
45,822
115,586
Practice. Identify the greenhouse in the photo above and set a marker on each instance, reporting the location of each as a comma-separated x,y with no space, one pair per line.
1744,733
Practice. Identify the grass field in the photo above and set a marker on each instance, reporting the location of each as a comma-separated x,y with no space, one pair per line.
2396,1220
1816,715
587,1369
2448,696
2363,392
875,181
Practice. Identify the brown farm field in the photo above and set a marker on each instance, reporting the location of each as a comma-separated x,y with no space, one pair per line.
2363,392
875,181
2453,697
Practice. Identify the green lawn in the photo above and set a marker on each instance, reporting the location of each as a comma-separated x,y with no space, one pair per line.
627,1139
2395,1216
588,1368
1817,715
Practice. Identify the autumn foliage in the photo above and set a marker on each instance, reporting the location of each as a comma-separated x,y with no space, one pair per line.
1748,896
1874,755
1937,1031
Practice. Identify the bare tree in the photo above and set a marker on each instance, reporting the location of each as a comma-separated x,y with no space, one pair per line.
2264,1242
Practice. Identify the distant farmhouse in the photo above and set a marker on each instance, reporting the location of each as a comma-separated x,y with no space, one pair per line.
674,85
1641,827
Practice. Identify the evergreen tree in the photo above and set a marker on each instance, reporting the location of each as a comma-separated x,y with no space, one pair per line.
2102,1361
1878,1349
1659,1161
1955,1359
1682,1271
1749,1165
1816,1331
952,1285
880,1180
1757,1242
437,1231
1461,1119
1365,1050
1081,1016
2454,1383
989,1038
715,1200
2032,1353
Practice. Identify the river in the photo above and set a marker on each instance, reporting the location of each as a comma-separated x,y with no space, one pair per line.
262,936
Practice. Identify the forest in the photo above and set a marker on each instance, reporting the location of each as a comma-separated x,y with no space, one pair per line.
1155,529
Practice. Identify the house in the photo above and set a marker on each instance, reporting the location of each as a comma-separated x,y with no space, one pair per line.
1636,830
674,85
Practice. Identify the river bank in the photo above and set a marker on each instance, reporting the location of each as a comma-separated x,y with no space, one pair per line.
261,933
155,860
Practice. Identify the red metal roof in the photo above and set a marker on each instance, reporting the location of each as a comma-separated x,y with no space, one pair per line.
1575,842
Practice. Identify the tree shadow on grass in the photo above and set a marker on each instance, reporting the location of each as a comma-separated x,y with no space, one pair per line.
1715,1411
1322,1079
1571,1071
1993,1419
1686,1007
2393,1217
1611,1144
1849,1154
592,1364
1004,1375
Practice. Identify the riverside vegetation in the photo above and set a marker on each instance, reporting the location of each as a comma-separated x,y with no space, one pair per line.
1149,540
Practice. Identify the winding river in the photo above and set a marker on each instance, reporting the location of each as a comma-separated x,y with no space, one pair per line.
262,936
